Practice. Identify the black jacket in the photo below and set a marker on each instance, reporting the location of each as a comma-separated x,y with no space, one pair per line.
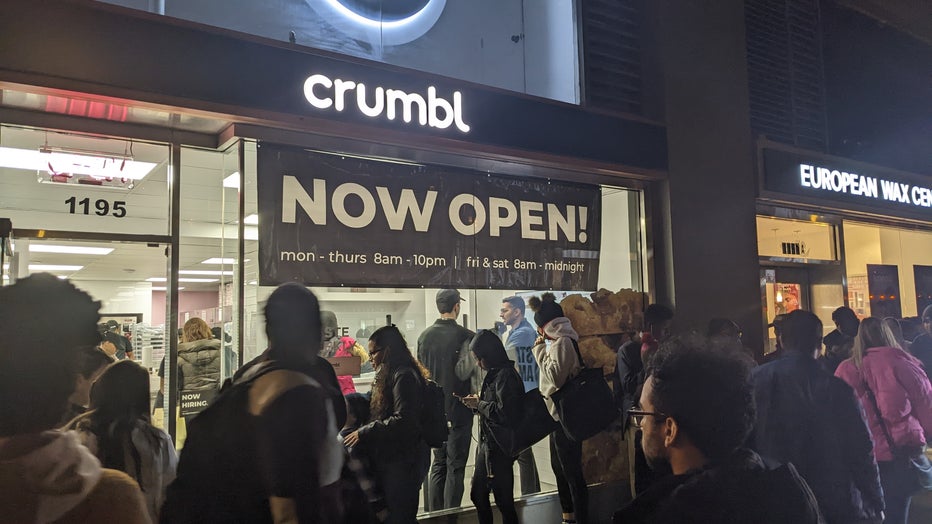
629,376
501,399
741,491
921,348
395,434
439,348
814,420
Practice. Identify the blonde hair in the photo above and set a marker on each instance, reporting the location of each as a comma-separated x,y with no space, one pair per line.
195,329
872,333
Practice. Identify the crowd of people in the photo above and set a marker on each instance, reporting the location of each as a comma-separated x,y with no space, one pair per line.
823,431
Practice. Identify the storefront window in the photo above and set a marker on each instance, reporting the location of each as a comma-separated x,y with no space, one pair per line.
889,270
364,298
529,47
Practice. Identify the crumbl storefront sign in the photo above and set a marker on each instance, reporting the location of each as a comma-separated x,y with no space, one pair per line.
837,181
428,110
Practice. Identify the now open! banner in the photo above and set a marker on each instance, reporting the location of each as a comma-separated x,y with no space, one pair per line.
327,219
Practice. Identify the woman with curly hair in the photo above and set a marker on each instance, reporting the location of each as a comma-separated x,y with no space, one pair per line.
392,440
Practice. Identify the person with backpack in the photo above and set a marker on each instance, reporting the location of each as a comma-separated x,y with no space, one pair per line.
392,439
559,362
266,449
499,402
118,430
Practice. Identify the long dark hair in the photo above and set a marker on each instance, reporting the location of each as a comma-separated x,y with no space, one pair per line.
119,400
396,355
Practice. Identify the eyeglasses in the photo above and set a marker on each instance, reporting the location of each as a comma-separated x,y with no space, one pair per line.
637,416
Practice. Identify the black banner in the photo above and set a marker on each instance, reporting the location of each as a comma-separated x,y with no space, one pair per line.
326,219
883,285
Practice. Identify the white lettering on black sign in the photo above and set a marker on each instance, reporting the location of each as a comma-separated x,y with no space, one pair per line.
836,181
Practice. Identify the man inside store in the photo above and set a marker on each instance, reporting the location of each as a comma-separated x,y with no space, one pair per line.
921,348
440,348
113,334
519,339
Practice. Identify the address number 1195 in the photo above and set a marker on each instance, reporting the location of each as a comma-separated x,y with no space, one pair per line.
102,207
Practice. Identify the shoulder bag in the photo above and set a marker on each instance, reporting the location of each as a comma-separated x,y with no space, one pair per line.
918,464
585,403
535,424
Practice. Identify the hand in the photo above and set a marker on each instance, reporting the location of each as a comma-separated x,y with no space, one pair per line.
352,439
470,401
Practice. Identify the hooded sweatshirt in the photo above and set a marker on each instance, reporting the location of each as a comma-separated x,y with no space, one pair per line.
62,482
559,362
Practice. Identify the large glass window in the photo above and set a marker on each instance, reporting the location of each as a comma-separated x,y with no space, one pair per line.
529,47
361,310
889,270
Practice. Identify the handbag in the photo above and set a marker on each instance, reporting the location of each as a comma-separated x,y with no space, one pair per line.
585,403
535,424
919,466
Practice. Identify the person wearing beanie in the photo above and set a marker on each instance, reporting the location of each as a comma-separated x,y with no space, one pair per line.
559,361
921,347
499,402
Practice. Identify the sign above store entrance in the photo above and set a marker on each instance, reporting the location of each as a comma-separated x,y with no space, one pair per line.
324,93
848,182
325,219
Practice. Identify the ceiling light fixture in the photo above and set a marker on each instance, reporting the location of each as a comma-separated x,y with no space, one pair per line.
218,261
162,288
232,181
54,267
207,272
252,220
163,279
71,250
63,166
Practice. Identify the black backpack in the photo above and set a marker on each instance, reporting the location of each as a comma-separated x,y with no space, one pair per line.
434,427
217,478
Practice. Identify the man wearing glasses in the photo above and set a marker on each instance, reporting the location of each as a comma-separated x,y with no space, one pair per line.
696,410
921,348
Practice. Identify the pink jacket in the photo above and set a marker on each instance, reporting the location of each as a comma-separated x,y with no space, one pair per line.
903,394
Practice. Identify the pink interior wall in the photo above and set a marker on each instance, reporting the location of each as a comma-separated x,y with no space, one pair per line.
187,301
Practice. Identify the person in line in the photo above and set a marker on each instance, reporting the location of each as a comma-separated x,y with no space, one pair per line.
897,398
499,402
440,347
113,333
230,360
337,346
839,342
47,475
119,432
696,410
897,331
629,379
392,440
814,420
367,503
92,361
777,326
725,329
518,340
559,362
921,346
259,461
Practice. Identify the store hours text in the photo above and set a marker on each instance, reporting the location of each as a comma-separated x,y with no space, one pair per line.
101,207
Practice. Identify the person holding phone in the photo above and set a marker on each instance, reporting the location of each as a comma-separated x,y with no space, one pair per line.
499,402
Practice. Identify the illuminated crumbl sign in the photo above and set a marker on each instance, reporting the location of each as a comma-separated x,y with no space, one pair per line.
432,110
836,181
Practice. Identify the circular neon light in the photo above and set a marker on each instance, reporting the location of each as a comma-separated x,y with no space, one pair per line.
402,23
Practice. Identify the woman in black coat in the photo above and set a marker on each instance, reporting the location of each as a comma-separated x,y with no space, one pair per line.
499,402
392,440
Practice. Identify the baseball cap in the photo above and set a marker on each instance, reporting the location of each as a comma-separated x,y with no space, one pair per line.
447,298
112,324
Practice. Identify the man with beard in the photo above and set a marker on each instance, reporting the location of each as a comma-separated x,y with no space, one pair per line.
696,410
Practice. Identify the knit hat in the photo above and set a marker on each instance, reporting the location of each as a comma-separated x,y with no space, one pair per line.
545,309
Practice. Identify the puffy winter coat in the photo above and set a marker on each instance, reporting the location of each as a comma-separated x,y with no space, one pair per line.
559,362
903,395
199,361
